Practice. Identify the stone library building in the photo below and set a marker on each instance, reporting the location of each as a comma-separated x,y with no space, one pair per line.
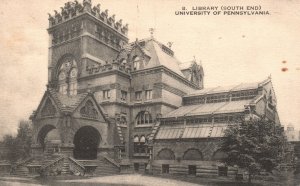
114,106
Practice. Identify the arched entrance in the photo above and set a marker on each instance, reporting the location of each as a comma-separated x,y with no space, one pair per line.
86,141
42,135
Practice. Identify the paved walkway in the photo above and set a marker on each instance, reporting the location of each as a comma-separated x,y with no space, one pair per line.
133,179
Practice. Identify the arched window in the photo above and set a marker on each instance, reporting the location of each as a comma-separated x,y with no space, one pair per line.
67,76
136,142
165,154
123,120
62,84
136,139
192,154
140,145
143,117
143,139
73,82
219,155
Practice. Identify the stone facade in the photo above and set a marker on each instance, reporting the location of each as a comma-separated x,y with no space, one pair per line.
133,104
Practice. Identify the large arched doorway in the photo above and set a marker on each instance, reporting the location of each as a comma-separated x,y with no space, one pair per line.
86,141
43,135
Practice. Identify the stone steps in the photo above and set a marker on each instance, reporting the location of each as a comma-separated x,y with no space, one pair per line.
106,168
66,168
21,171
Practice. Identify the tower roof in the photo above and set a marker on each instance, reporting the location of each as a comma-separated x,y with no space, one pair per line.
75,9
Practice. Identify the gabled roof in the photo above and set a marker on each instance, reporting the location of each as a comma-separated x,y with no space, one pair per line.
67,103
158,57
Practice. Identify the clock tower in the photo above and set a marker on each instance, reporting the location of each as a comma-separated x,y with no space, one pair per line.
81,36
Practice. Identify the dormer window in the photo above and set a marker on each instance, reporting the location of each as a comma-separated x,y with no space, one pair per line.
136,63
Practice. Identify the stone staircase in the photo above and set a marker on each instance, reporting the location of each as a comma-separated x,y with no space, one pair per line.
20,168
21,171
101,166
107,167
66,167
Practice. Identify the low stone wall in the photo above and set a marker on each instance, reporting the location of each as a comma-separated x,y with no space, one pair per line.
5,168
201,168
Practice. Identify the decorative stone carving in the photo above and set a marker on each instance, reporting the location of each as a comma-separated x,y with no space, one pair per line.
89,111
48,109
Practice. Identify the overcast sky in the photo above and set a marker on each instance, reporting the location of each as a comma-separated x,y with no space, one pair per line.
232,49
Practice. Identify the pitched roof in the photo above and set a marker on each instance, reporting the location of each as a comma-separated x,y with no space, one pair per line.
164,59
65,102
209,108
230,88
192,131
158,57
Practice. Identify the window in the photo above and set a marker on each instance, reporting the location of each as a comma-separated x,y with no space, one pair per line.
123,120
136,141
139,144
136,63
63,89
68,70
148,94
136,167
138,95
222,171
165,168
192,170
142,146
73,88
106,94
123,95
143,117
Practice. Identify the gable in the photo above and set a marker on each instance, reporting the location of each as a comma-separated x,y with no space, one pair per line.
89,109
47,107
269,94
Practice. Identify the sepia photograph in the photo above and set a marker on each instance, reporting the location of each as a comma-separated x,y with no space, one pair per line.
150,93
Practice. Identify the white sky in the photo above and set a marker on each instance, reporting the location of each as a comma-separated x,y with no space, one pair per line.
232,49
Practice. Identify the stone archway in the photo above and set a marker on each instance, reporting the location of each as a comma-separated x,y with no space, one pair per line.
86,142
193,154
165,154
43,133
219,155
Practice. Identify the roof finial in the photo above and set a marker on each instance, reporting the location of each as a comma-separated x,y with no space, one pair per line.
194,58
170,44
151,30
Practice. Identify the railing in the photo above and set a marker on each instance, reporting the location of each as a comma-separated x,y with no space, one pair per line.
46,170
23,162
111,160
76,167
55,161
